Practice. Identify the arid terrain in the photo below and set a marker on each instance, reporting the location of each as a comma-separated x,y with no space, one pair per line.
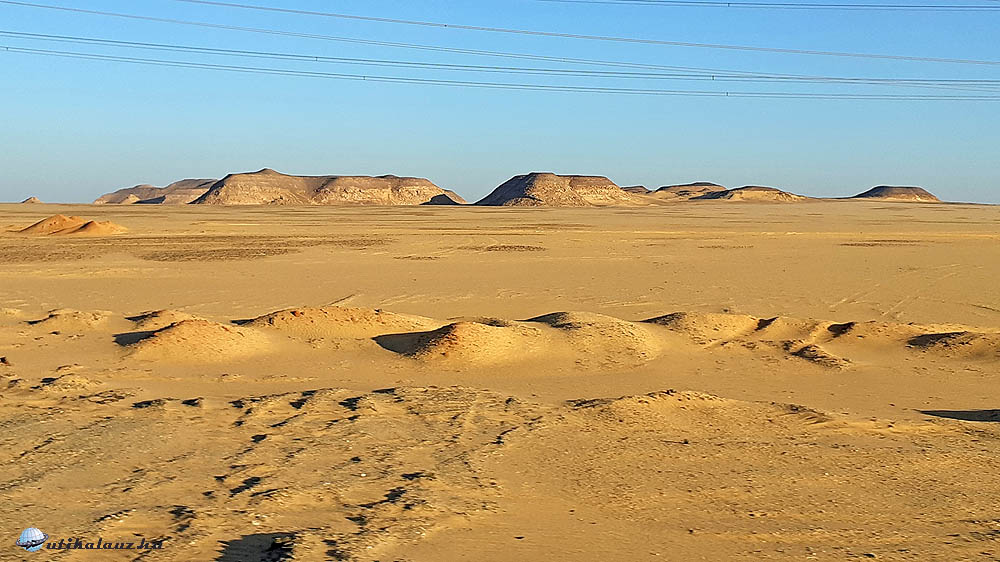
713,380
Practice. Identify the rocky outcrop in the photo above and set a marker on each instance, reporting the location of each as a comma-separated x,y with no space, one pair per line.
177,193
546,189
895,193
637,189
268,187
753,193
687,190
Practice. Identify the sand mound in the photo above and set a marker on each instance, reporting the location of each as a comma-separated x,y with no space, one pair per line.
93,228
70,383
270,187
546,189
895,193
468,343
69,319
158,319
610,338
960,344
752,193
61,225
198,340
708,327
177,193
693,412
341,322
53,224
31,200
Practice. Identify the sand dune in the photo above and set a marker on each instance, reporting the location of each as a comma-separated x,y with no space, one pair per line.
569,339
340,322
61,225
195,340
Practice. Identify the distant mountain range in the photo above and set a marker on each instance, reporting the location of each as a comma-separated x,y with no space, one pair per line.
536,189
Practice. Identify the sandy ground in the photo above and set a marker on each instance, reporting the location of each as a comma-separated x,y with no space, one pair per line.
703,381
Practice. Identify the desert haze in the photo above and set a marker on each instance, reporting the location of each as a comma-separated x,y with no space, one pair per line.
680,373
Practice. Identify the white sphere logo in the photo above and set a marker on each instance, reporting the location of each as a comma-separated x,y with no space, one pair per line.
32,539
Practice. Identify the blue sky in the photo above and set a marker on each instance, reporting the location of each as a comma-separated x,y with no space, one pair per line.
72,129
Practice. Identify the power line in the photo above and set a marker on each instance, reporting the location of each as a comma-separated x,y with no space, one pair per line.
495,85
697,75
634,40
791,5
499,30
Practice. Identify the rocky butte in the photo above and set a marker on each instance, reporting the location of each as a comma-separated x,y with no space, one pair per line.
268,187
547,189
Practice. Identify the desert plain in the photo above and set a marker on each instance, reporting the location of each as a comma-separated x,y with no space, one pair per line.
717,380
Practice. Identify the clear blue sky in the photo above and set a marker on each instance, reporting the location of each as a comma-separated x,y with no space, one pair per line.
72,129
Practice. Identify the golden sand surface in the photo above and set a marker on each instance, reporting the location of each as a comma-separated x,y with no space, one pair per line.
711,380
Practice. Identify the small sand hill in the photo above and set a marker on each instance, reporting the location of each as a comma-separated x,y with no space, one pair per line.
198,340
268,187
62,225
70,319
893,193
94,228
469,343
177,193
31,200
158,319
609,339
53,224
687,190
695,413
753,193
546,189
341,322
708,327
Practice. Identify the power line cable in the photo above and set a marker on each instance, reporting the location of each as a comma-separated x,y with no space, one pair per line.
634,40
487,53
790,5
697,75
496,85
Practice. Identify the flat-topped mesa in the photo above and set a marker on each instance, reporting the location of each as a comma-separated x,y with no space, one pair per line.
178,193
687,190
898,193
546,189
753,193
268,187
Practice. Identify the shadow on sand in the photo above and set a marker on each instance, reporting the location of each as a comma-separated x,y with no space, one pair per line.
966,415
262,547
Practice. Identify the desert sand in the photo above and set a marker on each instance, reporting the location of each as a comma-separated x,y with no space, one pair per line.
714,380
